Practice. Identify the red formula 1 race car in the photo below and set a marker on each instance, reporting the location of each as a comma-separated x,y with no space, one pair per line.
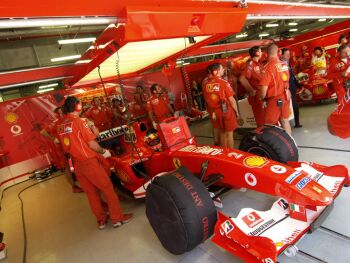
180,180
314,88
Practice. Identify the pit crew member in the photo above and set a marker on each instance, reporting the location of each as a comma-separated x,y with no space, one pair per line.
319,61
250,79
100,115
158,106
339,70
78,140
60,161
275,90
221,105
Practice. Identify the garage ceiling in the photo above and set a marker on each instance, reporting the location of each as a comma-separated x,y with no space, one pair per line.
36,47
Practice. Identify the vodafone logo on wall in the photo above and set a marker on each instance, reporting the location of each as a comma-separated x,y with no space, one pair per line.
12,118
252,219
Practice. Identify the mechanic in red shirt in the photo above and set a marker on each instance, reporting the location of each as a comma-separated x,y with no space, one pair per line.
250,79
275,90
304,62
339,70
60,161
139,105
100,115
158,106
78,140
221,105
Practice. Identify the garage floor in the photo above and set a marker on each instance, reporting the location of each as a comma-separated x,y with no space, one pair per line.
61,228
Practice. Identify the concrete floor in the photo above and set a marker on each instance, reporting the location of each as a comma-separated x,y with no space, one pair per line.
61,228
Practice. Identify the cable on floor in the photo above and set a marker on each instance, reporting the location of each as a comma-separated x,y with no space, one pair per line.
22,214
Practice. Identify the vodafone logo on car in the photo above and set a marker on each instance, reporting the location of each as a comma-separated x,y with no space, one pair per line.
252,219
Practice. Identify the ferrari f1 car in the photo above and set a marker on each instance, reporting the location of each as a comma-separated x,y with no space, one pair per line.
314,88
181,179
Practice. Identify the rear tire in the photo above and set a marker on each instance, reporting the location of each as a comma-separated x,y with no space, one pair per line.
271,142
180,211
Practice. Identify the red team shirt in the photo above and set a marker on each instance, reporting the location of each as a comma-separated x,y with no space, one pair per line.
276,78
337,67
74,134
102,117
159,107
215,90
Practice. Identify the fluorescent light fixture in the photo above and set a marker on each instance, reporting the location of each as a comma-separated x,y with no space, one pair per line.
258,17
322,19
45,90
293,30
72,57
264,34
48,86
50,22
292,24
76,40
83,61
186,63
272,25
242,35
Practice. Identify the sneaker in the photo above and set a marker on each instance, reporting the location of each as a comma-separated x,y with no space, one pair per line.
77,189
125,219
102,224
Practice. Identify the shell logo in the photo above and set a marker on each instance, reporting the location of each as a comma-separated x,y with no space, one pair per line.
66,141
284,77
255,161
213,96
11,117
319,90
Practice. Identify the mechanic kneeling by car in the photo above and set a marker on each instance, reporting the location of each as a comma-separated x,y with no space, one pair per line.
90,165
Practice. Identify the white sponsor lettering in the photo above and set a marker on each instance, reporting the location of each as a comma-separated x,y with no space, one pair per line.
202,150
236,155
292,177
278,169
250,179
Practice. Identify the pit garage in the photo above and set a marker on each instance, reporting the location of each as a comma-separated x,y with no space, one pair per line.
274,196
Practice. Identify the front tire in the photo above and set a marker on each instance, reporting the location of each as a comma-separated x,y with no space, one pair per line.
180,211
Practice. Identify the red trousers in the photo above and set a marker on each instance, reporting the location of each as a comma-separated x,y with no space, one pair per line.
93,178
258,110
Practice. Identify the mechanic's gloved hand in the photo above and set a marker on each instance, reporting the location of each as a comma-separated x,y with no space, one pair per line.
154,124
106,154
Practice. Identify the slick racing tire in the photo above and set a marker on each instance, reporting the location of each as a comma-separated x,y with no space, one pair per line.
180,211
271,142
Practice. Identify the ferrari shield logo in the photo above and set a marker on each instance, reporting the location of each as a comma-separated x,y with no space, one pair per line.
177,163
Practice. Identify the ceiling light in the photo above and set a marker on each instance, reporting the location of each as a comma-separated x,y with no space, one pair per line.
45,90
322,19
272,25
76,40
48,86
72,57
264,34
292,24
186,63
45,22
258,17
293,30
83,61
242,35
